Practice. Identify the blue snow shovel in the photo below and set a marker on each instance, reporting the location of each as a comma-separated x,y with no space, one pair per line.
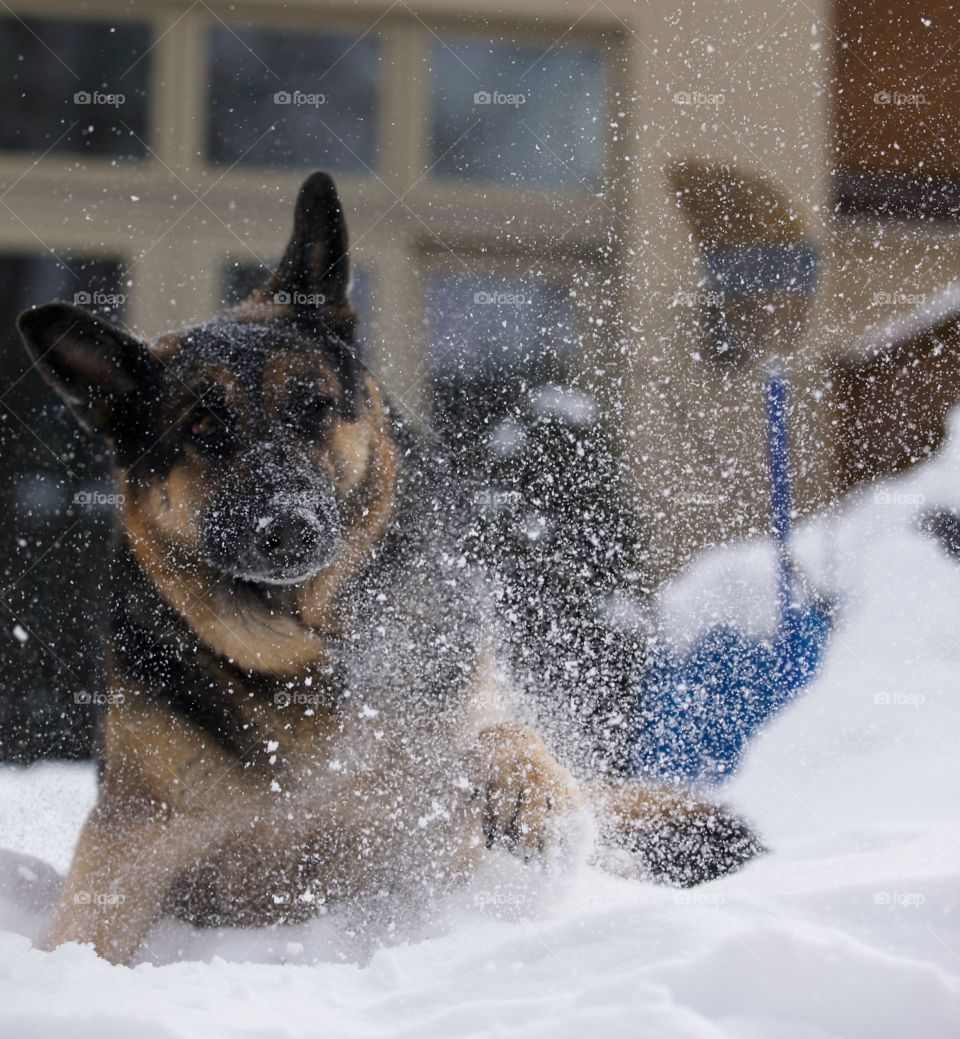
696,714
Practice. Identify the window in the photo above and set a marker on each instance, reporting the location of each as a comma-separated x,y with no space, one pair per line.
74,86
517,114
417,121
292,99
52,527
240,279
491,341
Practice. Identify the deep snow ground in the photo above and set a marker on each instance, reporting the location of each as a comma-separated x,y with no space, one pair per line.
850,927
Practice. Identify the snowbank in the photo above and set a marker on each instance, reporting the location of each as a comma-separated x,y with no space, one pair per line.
850,927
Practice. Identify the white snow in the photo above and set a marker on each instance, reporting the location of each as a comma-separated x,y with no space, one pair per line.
850,927
563,401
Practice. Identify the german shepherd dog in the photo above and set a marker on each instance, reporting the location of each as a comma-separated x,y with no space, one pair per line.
305,706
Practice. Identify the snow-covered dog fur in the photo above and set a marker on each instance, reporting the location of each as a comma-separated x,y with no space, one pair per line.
303,706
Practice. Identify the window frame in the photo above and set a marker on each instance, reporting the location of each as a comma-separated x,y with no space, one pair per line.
397,245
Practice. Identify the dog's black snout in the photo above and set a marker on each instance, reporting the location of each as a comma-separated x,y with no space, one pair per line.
287,538
273,540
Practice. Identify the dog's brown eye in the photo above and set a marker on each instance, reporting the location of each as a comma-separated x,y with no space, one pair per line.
308,412
203,427
208,432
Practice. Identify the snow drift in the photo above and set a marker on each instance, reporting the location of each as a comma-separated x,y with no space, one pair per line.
849,927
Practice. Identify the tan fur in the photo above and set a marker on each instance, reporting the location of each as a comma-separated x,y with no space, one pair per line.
287,368
170,510
527,788
367,465
162,523
174,812
629,807
254,640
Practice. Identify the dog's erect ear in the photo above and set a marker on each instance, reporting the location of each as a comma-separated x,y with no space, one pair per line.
316,263
92,364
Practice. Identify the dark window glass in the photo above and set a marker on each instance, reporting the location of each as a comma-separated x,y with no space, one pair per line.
292,99
491,341
517,114
74,86
54,526
240,279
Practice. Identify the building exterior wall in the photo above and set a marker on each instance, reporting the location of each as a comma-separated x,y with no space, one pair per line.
757,77
699,425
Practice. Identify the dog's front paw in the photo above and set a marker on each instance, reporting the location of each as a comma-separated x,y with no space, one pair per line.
667,835
530,802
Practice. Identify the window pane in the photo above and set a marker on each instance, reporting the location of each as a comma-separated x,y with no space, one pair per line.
53,546
515,114
490,342
272,102
71,86
240,279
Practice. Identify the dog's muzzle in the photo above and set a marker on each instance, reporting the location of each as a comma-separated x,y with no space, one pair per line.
287,540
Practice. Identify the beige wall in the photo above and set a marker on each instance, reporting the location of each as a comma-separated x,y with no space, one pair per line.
700,443
699,429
